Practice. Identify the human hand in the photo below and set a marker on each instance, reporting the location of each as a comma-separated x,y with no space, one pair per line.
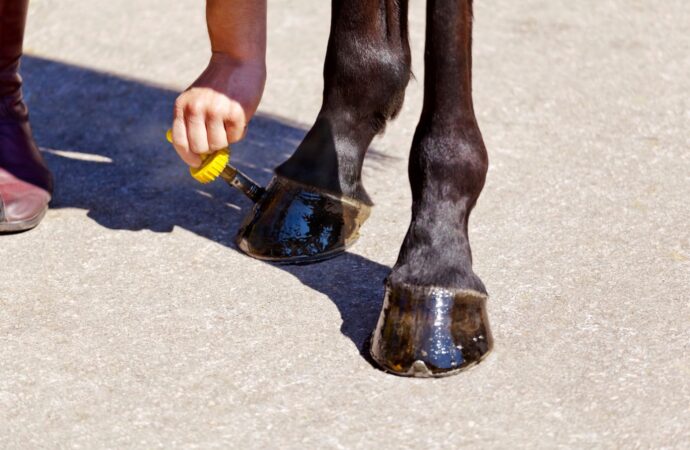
215,110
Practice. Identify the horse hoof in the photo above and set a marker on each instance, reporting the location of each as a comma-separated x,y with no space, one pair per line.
430,331
298,224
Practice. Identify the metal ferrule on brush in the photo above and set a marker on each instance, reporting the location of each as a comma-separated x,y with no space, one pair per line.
243,183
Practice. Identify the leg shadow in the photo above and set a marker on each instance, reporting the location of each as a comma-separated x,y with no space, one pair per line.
103,138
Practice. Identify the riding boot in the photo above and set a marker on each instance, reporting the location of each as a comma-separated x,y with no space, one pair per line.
25,181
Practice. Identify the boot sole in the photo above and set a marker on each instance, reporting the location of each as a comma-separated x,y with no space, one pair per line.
23,225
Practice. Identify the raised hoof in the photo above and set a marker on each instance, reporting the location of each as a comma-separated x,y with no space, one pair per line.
430,331
298,224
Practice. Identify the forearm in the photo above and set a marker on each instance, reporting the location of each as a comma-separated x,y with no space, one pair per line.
237,29
218,106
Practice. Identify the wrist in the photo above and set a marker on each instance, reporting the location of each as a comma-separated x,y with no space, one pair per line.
257,62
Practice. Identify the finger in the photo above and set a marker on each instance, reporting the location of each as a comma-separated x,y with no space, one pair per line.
217,137
235,133
196,129
179,138
236,125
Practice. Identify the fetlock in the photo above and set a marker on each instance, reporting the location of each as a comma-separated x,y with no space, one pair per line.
364,88
328,160
447,174
436,252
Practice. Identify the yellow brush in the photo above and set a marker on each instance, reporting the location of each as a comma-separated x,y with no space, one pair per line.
217,165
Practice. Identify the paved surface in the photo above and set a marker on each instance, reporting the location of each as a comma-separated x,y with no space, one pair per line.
129,320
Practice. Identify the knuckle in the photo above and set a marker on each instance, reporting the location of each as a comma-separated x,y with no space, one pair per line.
179,107
217,109
195,108
236,114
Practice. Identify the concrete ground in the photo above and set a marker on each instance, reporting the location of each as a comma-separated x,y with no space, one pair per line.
129,320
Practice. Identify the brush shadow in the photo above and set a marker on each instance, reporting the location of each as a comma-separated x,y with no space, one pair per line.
103,138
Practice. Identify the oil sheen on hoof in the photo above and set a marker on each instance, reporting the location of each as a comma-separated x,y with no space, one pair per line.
295,223
431,331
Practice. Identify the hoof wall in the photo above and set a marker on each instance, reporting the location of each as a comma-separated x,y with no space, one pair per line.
298,224
430,332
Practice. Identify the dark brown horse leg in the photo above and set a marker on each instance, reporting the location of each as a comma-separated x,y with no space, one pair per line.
434,319
316,203
366,71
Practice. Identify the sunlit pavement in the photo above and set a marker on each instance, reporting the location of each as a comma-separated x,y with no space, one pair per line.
129,319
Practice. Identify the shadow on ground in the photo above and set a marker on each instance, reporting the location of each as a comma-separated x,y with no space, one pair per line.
103,138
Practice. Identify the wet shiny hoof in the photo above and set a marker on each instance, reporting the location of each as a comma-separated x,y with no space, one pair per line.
430,331
298,224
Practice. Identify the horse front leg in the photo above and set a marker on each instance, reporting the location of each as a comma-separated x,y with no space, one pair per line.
434,319
316,203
